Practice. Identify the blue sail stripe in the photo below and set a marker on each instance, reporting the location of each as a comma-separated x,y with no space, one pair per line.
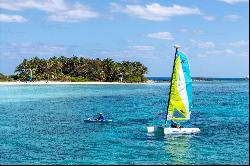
187,75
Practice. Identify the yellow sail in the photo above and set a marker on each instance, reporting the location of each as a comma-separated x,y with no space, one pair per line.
180,98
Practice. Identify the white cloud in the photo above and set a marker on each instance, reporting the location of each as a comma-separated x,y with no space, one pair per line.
232,17
12,18
44,5
195,31
161,35
38,48
224,52
154,11
202,44
209,18
78,13
240,44
57,10
15,50
131,54
235,1
229,52
184,30
142,48
131,1
238,53
202,55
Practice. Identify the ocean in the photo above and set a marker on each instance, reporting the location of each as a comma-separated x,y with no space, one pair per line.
44,124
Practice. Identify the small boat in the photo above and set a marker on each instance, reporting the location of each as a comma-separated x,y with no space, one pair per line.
89,120
180,98
170,130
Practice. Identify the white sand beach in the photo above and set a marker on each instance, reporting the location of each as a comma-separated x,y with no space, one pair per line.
63,83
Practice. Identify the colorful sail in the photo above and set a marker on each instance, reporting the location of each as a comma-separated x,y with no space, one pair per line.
180,97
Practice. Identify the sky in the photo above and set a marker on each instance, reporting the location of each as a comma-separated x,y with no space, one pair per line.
213,34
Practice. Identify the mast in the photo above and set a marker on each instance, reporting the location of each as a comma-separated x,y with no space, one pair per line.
176,50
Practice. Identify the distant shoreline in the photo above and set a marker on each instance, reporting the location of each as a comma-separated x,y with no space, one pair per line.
196,79
66,83
103,83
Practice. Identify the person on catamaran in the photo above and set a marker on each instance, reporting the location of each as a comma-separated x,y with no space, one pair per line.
100,118
175,125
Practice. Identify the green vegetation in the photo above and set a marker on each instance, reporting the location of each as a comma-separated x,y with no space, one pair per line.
5,78
80,69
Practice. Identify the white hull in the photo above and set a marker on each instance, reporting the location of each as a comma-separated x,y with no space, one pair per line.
168,130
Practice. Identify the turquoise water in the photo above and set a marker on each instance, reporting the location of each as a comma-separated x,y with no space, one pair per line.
43,124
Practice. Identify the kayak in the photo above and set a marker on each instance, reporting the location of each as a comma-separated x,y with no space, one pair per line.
97,121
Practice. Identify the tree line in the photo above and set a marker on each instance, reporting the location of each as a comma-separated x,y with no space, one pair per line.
5,78
80,69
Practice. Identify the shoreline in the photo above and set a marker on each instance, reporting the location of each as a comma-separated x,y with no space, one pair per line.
66,83
91,82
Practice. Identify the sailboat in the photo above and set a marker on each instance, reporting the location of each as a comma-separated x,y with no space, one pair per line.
180,98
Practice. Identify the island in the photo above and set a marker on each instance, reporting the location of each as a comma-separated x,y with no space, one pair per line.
77,69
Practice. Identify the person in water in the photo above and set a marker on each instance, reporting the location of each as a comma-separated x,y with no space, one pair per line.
100,118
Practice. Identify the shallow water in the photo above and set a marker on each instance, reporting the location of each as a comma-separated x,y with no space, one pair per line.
43,124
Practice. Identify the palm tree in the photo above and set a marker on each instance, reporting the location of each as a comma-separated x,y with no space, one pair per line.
88,69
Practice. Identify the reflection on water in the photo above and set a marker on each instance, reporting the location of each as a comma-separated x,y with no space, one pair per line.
177,147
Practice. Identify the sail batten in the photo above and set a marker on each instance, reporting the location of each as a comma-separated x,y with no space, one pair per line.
180,96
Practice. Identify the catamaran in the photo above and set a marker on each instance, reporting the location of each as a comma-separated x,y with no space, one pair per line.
180,98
